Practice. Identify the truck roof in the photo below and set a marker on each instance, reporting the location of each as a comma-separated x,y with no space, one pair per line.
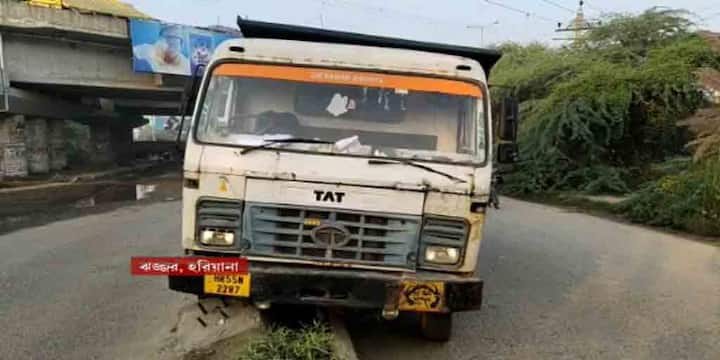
266,30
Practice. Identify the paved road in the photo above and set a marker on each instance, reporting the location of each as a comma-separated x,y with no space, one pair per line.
560,285
563,285
66,291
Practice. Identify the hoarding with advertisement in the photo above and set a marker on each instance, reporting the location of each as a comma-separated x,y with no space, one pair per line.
171,48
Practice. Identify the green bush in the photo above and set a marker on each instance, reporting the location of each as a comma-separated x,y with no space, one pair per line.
537,177
688,201
313,342
593,112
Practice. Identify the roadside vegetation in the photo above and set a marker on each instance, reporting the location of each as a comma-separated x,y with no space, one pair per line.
688,199
623,112
311,342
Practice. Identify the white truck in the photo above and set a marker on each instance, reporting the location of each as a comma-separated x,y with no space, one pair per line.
350,170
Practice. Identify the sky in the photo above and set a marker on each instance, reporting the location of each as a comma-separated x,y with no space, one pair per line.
464,22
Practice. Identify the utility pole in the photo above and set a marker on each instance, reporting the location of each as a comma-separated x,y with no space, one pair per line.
578,26
322,13
482,30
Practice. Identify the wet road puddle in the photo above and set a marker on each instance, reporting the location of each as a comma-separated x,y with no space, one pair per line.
44,204
125,192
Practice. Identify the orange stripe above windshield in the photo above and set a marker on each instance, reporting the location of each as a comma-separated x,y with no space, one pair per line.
344,77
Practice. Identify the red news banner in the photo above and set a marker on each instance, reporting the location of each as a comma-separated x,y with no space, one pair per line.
187,266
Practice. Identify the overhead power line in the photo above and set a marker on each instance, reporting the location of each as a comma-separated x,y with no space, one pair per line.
388,12
559,6
521,11
591,7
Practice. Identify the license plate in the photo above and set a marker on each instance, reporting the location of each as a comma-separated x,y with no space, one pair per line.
229,285
422,296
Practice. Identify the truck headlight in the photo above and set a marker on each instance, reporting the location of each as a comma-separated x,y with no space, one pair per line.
442,242
217,238
218,222
442,255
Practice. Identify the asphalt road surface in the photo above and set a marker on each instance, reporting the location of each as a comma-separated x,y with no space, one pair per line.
559,285
564,285
66,290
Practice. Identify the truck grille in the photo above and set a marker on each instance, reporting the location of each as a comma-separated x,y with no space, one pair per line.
374,238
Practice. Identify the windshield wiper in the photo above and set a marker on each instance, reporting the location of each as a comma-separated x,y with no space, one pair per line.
284,141
419,166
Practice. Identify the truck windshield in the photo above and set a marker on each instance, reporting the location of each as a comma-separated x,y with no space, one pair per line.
346,112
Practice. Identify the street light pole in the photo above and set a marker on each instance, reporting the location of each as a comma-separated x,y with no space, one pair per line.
323,3
482,30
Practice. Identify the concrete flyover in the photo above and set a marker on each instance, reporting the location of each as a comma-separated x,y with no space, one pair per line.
61,64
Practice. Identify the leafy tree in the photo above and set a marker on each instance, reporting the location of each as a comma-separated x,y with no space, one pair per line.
629,38
594,115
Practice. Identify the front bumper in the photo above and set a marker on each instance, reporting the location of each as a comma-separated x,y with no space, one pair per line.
293,284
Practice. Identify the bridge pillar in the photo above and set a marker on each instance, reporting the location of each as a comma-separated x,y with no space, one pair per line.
13,160
57,143
121,141
36,144
111,142
31,145
100,149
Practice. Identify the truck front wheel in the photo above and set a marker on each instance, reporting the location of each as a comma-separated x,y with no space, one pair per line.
435,326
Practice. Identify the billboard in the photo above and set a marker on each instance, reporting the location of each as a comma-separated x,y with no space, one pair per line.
164,48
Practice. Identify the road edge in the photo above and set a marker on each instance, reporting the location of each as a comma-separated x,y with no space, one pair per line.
342,343
598,212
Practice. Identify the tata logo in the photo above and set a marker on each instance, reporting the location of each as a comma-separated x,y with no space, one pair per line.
331,236
329,196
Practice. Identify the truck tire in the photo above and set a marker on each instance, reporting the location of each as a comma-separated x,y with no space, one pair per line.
435,326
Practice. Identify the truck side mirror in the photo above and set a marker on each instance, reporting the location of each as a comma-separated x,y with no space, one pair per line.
507,153
509,119
187,103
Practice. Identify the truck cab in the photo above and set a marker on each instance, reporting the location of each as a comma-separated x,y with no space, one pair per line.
350,171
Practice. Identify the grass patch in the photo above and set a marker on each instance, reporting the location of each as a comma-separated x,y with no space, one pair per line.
310,342
572,200
689,201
